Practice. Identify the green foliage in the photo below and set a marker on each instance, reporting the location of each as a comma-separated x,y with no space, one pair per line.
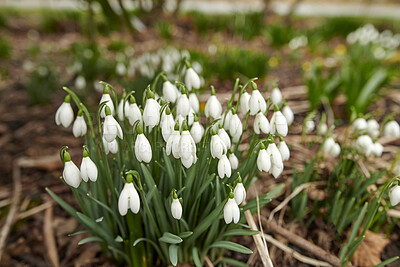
338,26
164,29
42,83
279,34
54,21
5,48
117,45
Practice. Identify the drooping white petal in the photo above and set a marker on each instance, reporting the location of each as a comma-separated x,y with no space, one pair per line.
261,123
151,113
288,113
64,115
276,96
257,103
217,147
169,92
79,128
284,150
235,128
231,211
133,198
143,149
244,103
133,113
234,161
394,195
197,132
224,167
240,193
391,129
183,106
109,103
71,174
123,203
213,108
192,80
194,102
224,137
176,209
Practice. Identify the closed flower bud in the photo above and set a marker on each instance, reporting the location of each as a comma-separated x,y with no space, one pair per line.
151,113
111,128
187,148
142,148
71,173
279,124
88,168
173,143
224,167
261,123
65,114
276,160
176,209
106,97
373,128
364,144
276,96
330,147
121,109
239,193
224,137
360,124
169,92
309,126
231,210
335,150
284,150
133,113
192,80
110,147
235,128
288,113
257,103
167,125
322,129
263,160
194,102
197,131
394,195
217,146
377,149
213,106
244,103
392,129
128,199
183,106
234,161
79,128
227,119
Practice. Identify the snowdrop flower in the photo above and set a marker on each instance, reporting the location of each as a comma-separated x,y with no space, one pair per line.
176,207
197,130
129,198
79,128
173,142
217,146
244,102
110,147
227,116
192,80
288,113
224,167
263,160
261,123
233,160
194,102
80,82
284,150
65,114
392,129
231,210
169,91
335,150
239,192
360,124
278,123
106,98
71,173
394,195
331,147
132,112
213,106
373,128
88,168
309,126
276,160
322,129
187,147
256,102
167,124
142,147
276,96
111,128
224,137
235,127
183,105
377,149
364,144
151,112
121,110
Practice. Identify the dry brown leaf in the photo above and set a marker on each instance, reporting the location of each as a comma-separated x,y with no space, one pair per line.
49,238
368,253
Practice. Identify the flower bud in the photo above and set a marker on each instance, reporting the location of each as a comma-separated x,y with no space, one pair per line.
261,123
239,193
151,113
392,129
244,103
65,114
192,80
288,113
109,103
276,96
176,209
142,148
213,108
231,210
257,103
71,173
169,92
224,167
394,195
79,128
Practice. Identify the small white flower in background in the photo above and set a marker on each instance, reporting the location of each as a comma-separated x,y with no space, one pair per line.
235,127
244,102
187,147
234,161
213,106
276,160
183,105
65,114
224,137
133,112
227,116
111,128
173,142
278,123
394,195
129,198
169,92
276,96
88,168
176,207
192,80
391,129
335,151
224,167
197,130
377,149
106,98
167,124
261,123
217,146
71,173
309,126
263,160
80,82
120,69
79,128
288,113
322,129
331,147
110,147
194,102
239,192
231,210
373,128
284,149
360,125
142,147
364,144
256,102
151,112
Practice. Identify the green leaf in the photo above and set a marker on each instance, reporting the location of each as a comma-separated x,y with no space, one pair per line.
137,241
239,231
263,199
185,234
388,261
170,238
173,254
231,246
95,228
232,262
68,208
370,88
196,258
79,233
90,239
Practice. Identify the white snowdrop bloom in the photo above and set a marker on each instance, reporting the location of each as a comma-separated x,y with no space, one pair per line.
80,82
217,146
328,145
391,129
142,148
197,131
151,112
133,113
360,124
284,149
65,114
179,119
322,129
187,148
192,80
110,147
183,105
111,128
191,116
244,103
71,173
235,128
224,137
169,92
276,160
394,195
88,168
213,106
257,102
224,167
79,128
231,210
278,124
261,123
310,126
194,102
227,116
239,192
276,96
120,69
288,113
109,103
377,149
167,124
176,209
234,161
173,142
373,128
121,110
364,144
263,160
129,198
335,150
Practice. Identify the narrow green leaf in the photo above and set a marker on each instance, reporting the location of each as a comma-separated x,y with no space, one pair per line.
173,254
90,239
231,246
170,238
68,208
232,262
239,231
185,234
196,258
371,87
137,241
357,224
388,261
95,228
79,233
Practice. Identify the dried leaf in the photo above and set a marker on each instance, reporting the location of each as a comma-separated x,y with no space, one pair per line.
368,254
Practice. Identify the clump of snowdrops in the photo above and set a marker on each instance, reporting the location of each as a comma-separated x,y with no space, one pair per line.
166,182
